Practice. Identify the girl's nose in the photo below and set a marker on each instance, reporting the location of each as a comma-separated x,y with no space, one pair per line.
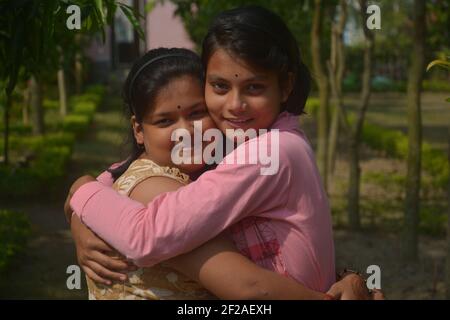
236,104
187,124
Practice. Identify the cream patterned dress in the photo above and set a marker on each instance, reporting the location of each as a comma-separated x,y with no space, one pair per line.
159,282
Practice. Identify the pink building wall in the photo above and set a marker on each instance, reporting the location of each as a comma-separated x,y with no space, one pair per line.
163,29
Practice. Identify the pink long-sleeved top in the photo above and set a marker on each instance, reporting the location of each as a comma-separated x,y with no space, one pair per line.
289,207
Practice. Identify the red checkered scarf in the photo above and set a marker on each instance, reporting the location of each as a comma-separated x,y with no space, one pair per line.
255,239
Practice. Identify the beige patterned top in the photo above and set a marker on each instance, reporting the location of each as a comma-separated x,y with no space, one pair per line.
158,282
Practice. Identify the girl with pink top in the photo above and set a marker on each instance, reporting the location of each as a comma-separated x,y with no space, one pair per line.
255,79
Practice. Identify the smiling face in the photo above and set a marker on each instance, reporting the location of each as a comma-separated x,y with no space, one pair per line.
176,106
240,96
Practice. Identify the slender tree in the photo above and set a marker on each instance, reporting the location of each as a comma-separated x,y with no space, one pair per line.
322,83
62,86
37,112
28,43
445,64
336,70
416,72
356,129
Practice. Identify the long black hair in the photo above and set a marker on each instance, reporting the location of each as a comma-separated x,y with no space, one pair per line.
261,38
149,74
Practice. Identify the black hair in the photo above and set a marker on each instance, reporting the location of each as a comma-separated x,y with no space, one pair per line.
261,38
149,74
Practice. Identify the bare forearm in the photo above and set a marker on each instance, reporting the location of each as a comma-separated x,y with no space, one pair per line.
222,270
269,285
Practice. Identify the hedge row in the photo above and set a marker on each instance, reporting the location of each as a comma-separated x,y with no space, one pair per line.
44,159
14,232
395,144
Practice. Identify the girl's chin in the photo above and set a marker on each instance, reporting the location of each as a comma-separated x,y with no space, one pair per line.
190,168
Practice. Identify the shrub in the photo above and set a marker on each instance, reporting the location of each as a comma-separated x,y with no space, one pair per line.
50,104
15,229
85,107
75,123
17,128
395,144
47,156
312,106
436,85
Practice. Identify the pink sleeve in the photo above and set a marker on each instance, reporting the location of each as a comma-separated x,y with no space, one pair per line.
106,177
177,222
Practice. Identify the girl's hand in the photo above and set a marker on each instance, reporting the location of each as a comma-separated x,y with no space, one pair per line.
353,287
98,260
75,186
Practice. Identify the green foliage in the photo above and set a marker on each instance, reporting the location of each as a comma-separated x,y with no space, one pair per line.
436,85
76,123
15,230
86,108
395,143
386,181
17,128
47,157
297,14
439,62
50,104
32,33
312,106
96,89
351,83
433,220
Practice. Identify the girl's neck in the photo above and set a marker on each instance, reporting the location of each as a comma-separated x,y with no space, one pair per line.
192,175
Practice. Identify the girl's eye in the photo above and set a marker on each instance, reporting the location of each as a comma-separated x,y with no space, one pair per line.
219,88
163,122
197,114
255,88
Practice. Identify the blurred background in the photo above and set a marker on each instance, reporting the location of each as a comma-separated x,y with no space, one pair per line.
378,119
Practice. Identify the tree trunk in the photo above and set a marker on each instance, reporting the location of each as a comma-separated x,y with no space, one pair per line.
26,105
412,203
36,106
356,132
447,269
78,66
6,125
322,84
62,88
336,70
78,73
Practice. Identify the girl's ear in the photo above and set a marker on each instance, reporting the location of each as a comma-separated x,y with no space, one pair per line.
137,130
288,85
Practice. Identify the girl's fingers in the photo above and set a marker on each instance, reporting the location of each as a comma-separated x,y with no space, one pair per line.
99,244
377,295
94,277
108,262
335,292
105,273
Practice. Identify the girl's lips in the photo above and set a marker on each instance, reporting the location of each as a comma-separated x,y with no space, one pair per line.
238,123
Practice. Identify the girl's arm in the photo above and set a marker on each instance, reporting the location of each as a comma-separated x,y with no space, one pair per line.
177,222
226,273
219,267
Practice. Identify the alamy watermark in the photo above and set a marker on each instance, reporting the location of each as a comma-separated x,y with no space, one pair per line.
264,151
74,280
73,22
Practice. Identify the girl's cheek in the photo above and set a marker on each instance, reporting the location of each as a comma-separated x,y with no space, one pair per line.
207,123
214,102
